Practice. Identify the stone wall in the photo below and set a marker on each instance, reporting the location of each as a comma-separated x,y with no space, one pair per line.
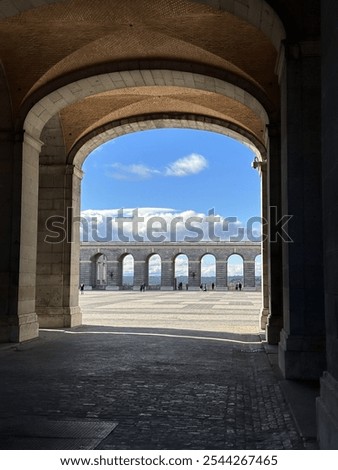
141,252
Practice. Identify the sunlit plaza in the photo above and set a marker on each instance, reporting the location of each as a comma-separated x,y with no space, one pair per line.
212,311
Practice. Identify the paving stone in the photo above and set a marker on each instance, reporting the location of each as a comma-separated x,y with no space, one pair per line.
170,388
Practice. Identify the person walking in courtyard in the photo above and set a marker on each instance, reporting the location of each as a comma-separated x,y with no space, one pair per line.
82,288
240,286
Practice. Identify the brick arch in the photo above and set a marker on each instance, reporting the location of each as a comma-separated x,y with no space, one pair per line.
115,129
54,102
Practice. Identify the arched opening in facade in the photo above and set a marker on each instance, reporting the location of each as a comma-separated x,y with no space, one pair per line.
235,270
44,89
90,139
181,272
127,272
99,271
208,271
154,271
70,86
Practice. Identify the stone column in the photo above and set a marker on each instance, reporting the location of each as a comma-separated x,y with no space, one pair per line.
119,280
140,273
58,246
167,274
221,274
274,243
19,163
249,274
194,274
327,404
302,344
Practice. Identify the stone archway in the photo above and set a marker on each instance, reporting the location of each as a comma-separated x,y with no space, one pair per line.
42,101
181,271
235,271
208,270
57,148
99,271
193,77
154,272
127,269
33,76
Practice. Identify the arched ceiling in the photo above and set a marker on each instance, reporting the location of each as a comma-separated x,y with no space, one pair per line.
45,45
122,103
113,129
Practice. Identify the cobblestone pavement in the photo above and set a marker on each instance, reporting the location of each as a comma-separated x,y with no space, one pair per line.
189,373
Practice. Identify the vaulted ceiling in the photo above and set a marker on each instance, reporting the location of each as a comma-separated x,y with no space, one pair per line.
43,48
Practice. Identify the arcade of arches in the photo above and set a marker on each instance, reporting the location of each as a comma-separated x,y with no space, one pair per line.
76,73
101,266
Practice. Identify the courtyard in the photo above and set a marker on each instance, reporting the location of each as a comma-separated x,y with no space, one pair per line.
227,312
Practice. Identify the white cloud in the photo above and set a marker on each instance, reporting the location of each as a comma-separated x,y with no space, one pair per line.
190,226
181,265
235,270
138,171
189,165
128,265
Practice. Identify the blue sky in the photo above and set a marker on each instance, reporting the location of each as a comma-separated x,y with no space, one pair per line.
173,168
170,173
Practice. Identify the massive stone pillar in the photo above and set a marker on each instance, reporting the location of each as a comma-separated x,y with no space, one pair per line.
19,163
119,280
274,242
221,274
167,274
58,246
327,404
249,274
302,344
194,273
140,272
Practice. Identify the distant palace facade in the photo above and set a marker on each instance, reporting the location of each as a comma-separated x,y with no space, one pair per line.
102,264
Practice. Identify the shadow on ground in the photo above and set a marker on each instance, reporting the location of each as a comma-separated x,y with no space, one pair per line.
142,388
